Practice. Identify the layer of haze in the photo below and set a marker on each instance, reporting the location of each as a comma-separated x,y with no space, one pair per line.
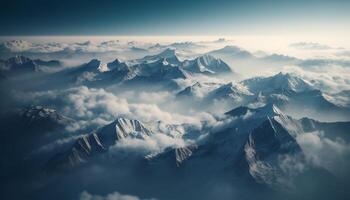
163,17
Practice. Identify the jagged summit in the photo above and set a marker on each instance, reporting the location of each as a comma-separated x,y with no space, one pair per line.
265,144
99,142
117,65
122,128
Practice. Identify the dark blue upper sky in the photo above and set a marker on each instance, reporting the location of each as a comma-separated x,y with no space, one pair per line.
176,17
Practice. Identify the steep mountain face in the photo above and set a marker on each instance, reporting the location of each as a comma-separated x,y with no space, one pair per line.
255,143
85,147
93,144
183,153
206,64
173,157
261,152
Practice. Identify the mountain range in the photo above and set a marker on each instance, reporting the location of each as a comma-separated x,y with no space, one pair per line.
169,126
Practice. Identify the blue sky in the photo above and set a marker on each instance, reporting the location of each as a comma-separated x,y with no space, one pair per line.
181,17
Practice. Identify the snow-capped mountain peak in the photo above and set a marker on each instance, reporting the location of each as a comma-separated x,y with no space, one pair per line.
122,128
95,143
280,81
206,64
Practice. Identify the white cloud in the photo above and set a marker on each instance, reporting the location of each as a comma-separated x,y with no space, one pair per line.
99,107
310,46
154,97
325,152
57,143
345,53
26,46
150,145
16,46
